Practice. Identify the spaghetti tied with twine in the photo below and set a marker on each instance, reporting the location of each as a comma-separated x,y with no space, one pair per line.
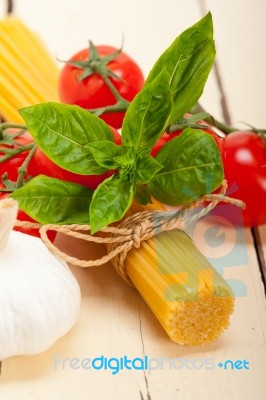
130,232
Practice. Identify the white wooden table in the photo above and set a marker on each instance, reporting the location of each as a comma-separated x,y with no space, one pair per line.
114,321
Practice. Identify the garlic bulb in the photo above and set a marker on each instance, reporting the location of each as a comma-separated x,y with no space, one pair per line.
39,296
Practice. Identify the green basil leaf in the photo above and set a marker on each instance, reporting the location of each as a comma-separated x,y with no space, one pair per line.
50,200
188,62
110,202
147,115
142,195
105,153
63,132
147,167
192,167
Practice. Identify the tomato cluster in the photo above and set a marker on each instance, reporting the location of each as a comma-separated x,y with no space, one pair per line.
10,167
244,160
243,153
41,164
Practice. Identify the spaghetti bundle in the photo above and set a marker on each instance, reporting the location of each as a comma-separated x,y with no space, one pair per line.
28,74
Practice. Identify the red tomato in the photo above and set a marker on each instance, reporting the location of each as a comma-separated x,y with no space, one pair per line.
92,92
117,136
47,167
166,137
11,165
245,171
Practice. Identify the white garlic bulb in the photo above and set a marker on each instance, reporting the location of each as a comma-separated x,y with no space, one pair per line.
39,296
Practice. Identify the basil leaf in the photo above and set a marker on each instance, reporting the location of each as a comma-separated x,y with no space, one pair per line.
147,115
147,167
50,200
110,202
192,168
63,132
142,195
188,62
105,153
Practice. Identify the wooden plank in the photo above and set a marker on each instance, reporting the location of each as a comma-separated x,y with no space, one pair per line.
68,27
240,51
240,32
5,7
114,322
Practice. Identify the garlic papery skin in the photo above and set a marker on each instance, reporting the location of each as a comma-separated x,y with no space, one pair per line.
39,296
8,215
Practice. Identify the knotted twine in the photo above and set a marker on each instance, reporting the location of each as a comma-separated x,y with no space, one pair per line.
129,234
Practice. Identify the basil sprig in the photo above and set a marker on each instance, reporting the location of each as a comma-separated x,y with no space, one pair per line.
186,167
63,133
192,167
50,200
147,116
188,62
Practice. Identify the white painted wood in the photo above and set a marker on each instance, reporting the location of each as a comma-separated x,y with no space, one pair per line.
241,48
148,27
114,321
2,8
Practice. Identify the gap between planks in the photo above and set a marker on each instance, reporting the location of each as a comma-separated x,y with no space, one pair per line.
9,6
260,254
143,354
227,119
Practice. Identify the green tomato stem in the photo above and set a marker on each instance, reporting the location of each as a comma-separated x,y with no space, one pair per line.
110,85
120,106
226,129
7,125
9,153
22,170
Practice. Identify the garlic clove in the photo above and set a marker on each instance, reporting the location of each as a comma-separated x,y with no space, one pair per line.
39,297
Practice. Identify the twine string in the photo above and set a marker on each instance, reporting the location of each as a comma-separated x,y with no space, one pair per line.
130,232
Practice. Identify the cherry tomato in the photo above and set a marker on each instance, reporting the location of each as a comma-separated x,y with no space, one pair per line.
12,164
245,171
166,137
92,92
47,167
11,167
